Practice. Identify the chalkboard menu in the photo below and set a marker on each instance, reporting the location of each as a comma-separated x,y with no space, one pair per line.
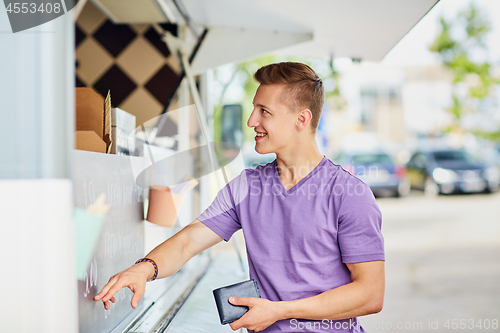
121,238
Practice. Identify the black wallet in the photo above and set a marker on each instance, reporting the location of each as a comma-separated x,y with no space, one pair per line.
228,312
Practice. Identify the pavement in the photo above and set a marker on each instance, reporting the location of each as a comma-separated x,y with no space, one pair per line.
442,264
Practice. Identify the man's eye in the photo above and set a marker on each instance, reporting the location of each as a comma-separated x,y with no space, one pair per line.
264,111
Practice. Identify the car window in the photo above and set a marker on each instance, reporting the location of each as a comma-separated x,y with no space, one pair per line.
371,159
420,161
411,162
453,155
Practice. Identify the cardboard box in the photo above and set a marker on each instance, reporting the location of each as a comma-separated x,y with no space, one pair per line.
93,116
89,140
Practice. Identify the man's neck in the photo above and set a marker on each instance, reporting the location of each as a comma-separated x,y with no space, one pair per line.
296,165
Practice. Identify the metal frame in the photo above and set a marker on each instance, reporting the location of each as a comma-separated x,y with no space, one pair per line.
177,46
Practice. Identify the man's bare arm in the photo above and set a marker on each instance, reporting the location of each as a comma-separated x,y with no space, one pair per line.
363,296
170,256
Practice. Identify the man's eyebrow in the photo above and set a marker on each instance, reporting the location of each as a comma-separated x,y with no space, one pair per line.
262,106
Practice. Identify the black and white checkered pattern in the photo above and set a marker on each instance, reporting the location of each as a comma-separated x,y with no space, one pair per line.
130,60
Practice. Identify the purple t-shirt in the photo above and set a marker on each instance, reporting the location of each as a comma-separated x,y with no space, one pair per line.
298,241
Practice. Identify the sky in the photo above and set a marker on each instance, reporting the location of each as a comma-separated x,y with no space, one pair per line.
412,50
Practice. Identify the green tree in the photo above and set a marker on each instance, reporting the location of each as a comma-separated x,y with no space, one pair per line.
242,74
460,44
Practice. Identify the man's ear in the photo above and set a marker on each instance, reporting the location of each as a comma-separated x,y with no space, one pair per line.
303,119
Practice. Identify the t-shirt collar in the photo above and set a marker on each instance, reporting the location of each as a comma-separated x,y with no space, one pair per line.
286,192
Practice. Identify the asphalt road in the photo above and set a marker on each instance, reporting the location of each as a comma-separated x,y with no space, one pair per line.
442,264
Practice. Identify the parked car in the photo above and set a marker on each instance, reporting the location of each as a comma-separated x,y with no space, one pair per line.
450,171
497,152
378,170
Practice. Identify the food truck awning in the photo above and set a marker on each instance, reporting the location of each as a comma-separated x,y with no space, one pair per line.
239,29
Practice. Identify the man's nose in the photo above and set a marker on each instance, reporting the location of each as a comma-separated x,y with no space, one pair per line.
253,120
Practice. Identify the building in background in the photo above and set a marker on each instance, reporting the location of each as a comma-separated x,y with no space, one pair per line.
404,106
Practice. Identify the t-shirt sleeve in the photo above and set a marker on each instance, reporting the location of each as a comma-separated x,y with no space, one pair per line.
221,216
359,226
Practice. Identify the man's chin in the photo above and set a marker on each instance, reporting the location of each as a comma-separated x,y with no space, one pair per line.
262,151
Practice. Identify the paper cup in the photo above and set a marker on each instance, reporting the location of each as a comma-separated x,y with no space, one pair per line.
163,206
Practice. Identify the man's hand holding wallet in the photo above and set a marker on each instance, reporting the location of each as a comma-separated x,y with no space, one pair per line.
229,313
236,300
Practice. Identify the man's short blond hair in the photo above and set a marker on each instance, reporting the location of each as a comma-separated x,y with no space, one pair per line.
303,88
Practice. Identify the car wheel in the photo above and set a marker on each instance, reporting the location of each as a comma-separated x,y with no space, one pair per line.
491,187
403,189
431,189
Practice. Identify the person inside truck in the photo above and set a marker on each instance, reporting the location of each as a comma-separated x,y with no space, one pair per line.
312,230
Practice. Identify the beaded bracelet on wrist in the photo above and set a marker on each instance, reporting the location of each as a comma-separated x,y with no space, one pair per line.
154,265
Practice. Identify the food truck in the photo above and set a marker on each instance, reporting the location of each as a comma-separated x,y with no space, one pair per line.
92,99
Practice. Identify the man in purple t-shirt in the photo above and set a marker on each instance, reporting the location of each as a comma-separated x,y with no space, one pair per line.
312,230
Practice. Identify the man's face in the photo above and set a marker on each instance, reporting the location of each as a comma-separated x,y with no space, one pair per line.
272,120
